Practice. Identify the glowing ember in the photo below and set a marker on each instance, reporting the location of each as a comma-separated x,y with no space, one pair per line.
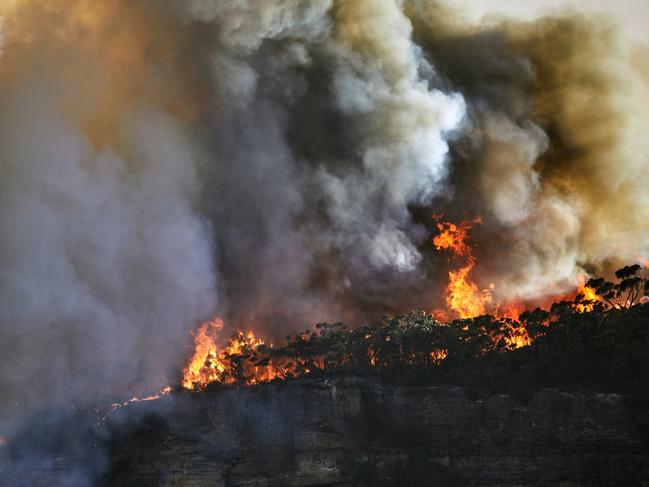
518,337
438,356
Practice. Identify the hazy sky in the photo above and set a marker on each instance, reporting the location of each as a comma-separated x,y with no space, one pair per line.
633,14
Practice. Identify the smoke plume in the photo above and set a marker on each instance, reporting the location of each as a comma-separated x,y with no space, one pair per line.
278,162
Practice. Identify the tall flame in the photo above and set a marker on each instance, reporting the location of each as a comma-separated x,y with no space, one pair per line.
467,300
204,366
589,297
462,294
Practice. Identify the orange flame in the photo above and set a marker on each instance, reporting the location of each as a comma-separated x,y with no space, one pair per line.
589,297
518,337
152,397
462,294
211,363
466,300
454,237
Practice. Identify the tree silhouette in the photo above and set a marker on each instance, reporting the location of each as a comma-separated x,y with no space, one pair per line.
624,294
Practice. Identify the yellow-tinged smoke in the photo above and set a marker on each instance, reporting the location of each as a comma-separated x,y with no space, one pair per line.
555,156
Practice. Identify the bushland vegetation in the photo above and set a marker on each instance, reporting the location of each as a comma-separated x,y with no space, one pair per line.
581,344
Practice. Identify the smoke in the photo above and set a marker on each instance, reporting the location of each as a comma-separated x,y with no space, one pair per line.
105,262
278,162
554,158
326,131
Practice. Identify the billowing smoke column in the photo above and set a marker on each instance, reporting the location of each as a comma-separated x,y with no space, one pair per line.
278,162
552,154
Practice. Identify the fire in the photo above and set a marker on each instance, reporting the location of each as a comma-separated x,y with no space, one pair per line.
454,237
438,356
589,297
152,397
509,310
246,359
518,337
462,294
228,364
466,300
204,366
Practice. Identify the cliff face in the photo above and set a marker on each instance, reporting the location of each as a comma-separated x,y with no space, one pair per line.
357,432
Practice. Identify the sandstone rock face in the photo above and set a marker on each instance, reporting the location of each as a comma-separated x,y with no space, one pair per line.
355,432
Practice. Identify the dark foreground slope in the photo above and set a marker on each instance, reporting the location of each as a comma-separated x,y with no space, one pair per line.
353,431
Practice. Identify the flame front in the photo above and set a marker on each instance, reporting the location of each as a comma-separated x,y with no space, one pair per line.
467,300
246,359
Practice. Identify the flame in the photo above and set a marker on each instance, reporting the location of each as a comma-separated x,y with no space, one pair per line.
152,397
241,361
518,337
466,300
204,366
509,310
462,294
454,237
590,298
228,364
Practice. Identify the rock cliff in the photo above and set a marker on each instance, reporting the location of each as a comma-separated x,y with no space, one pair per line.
344,432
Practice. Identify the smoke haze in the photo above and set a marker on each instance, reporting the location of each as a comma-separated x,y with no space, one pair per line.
278,161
